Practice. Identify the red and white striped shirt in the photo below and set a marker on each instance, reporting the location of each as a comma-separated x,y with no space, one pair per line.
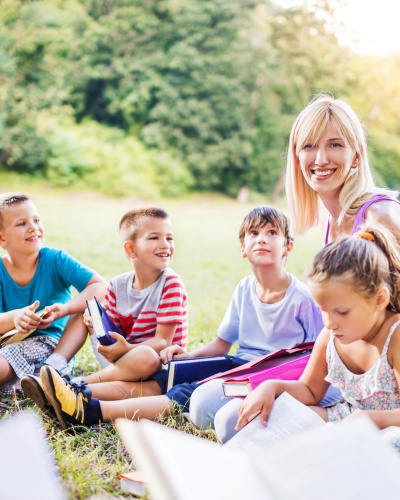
138,312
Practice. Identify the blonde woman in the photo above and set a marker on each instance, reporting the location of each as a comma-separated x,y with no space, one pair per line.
328,166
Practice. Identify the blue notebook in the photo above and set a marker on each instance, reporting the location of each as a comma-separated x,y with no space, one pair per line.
194,369
102,323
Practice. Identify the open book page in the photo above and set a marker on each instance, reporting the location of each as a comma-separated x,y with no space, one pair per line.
27,469
347,460
181,467
288,417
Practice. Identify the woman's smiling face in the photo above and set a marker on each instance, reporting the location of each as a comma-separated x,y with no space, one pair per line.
326,164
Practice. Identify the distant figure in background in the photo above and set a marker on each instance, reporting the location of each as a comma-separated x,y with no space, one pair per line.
355,281
327,162
33,275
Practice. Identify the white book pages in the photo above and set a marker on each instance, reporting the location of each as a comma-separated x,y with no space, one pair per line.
288,417
182,467
27,470
348,460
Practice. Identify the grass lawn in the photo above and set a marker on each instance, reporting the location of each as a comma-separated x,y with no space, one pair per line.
208,259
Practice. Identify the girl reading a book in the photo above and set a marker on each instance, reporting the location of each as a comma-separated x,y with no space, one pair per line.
355,282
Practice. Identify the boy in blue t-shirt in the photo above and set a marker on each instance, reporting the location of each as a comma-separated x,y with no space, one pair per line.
33,275
269,310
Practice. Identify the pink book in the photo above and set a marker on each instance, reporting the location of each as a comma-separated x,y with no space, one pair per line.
270,360
242,385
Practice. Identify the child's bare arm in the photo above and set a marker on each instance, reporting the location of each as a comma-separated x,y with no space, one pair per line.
216,347
162,339
309,389
96,286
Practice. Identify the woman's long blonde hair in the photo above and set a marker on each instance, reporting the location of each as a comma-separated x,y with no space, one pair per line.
309,127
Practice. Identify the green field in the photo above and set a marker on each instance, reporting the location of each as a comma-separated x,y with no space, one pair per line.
208,259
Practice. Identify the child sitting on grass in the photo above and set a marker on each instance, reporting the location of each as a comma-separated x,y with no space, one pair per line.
356,283
269,310
31,274
148,304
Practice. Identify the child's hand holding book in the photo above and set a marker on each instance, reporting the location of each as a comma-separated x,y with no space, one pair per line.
260,401
173,351
26,319
114,351
87,319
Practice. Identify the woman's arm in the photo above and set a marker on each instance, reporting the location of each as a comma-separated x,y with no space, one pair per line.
386,213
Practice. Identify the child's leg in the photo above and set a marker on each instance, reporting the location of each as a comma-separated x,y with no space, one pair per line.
75,405
147,407
73,337
6,371
114,391
225,420
137,364
206,400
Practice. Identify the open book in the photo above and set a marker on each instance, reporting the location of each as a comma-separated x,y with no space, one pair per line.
15,336
347,461
27,467
242,385
102,323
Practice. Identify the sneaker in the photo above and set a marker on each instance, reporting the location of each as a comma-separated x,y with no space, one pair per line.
70,401
32,387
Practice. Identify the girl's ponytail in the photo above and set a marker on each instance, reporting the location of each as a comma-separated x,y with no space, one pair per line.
386,241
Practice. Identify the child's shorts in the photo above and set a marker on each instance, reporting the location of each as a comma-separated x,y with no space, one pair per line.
24,356
180,394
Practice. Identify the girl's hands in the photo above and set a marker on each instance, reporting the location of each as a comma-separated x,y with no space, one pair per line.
260,401
25,319
113,352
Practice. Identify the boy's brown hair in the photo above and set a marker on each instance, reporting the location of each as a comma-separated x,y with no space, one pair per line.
9,199
261,216
129,224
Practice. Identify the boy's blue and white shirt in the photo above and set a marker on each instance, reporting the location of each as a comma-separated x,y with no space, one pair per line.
260,328
56,272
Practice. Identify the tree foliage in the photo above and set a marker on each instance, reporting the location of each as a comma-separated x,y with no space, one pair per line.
208,88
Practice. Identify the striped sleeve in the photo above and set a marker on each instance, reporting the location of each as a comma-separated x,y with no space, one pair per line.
111,303
173,308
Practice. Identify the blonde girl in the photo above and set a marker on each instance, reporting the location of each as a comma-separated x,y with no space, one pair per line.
355,281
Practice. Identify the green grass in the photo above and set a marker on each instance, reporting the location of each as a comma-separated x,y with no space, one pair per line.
207,257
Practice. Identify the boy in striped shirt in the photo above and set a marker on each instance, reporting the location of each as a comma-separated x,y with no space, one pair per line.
148,305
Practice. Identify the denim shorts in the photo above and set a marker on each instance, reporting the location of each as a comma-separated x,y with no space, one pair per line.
180,394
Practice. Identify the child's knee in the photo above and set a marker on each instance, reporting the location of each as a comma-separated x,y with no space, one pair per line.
147,357
225,420
7,373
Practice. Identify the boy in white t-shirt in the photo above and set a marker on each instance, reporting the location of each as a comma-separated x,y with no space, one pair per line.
269,310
